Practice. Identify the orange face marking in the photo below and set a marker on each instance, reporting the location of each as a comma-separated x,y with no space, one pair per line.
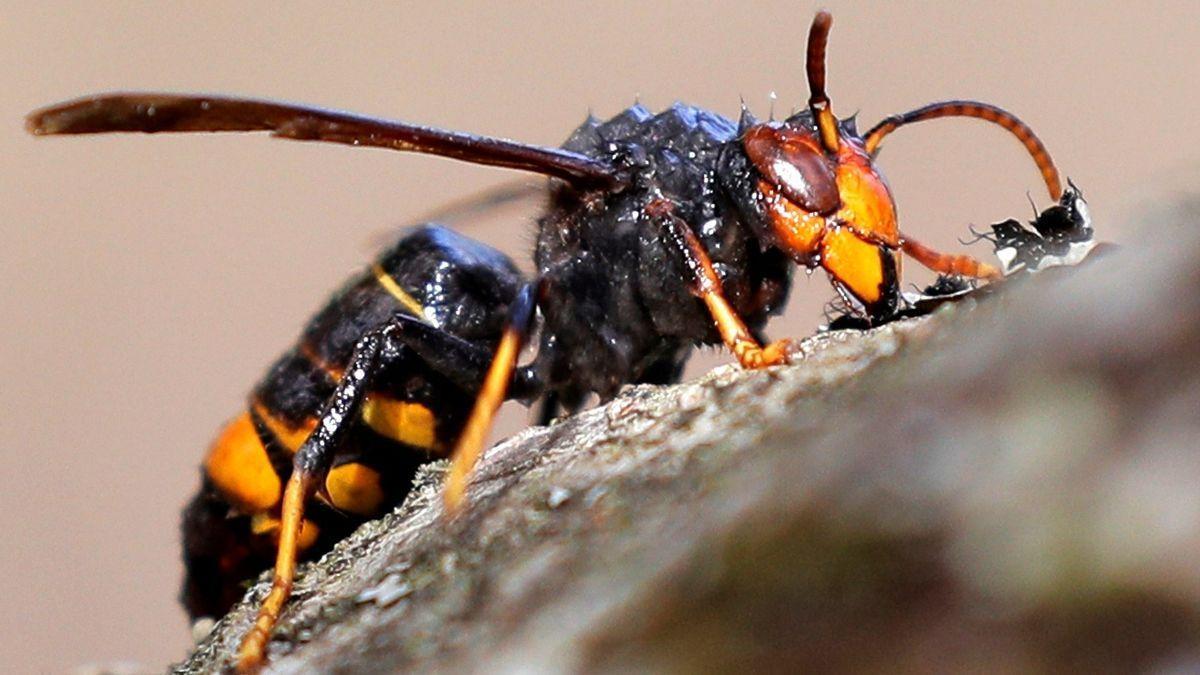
238,465
355,488
854,195
854,263
291,437
799,231
867,205
402,421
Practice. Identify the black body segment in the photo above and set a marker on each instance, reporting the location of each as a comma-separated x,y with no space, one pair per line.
613,303
418,384
1056,236
617,308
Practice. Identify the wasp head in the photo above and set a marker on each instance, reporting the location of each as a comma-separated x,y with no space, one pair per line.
817,195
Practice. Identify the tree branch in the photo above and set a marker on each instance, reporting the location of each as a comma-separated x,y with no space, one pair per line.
1010,484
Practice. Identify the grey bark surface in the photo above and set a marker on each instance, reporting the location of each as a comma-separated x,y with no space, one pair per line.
1008,485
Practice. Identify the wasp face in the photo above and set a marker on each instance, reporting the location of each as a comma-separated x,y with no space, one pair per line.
828,209
808,186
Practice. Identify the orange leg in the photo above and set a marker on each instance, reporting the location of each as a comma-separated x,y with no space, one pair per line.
487,402
706,284
948,263
750,354
310,466
253,649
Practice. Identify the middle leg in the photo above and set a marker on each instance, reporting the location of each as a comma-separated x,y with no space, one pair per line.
464,363
493,392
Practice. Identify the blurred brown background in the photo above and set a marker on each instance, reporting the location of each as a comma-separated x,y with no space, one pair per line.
148,281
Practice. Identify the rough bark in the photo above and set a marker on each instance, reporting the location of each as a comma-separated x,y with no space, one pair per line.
1008,485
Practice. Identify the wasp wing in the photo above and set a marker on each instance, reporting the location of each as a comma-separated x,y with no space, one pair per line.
504,207
152,112
489,203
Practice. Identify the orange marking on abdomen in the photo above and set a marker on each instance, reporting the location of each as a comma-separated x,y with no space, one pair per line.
355,488
239,467
402,421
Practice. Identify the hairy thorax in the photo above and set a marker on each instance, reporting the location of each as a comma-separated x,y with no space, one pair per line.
620,308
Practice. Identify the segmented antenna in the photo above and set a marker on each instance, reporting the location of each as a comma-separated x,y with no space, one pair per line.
818,101
977,110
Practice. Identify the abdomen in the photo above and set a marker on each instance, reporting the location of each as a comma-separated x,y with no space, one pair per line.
411,416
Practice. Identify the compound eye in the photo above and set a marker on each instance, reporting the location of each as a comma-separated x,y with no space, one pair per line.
797,166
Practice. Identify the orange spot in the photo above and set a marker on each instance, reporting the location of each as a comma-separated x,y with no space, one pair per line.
291,437
238,465
265,524
401,421
855,263
867,205
799,231
355,488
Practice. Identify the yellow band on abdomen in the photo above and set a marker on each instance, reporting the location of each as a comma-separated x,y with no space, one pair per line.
402,421
355,488
239,467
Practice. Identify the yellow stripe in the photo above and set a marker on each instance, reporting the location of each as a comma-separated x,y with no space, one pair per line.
402,421
238,465
355,488
389,284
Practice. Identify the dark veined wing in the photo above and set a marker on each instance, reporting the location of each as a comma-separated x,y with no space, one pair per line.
153,113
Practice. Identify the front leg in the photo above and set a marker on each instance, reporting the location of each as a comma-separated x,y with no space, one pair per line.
706,285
